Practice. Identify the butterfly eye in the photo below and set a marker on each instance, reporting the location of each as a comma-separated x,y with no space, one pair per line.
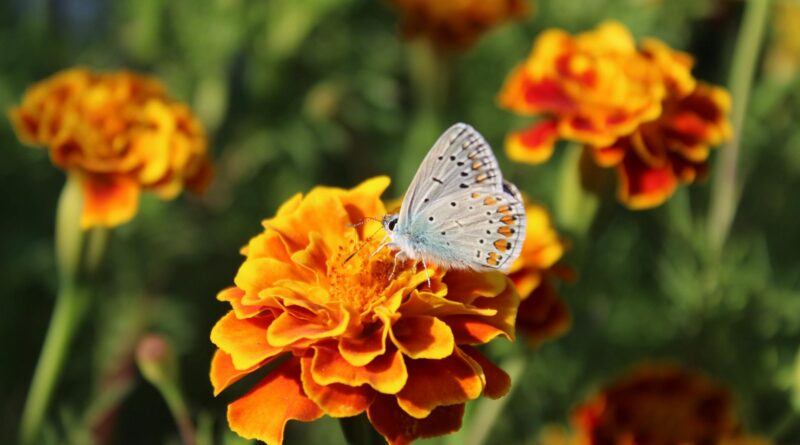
391,224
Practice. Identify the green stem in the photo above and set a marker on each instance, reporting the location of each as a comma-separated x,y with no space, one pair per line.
576,207
430,72
177,405
725,189
78,253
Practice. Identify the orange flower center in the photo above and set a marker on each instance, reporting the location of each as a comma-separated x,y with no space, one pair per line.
360,281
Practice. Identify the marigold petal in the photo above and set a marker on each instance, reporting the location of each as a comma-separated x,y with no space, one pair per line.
433,383
224,373
642,186
469,329
336,399
261,273
358,351
297,225
234,296
398,428
262,413
423,337
533,145
608,156
543,316
287,328
245,340
497,381
108,200
386,374
268,244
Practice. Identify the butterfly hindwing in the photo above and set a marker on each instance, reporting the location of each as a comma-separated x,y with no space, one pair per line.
475,230
460,160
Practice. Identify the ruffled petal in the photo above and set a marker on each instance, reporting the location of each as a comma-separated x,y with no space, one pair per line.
423,337
386,374
358,351
398,428
108,200
262,413
245,340
643,186
533,145
223,373
433,383
469,329
497,381
336,399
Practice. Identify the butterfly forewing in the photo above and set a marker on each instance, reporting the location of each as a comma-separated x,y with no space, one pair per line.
460,160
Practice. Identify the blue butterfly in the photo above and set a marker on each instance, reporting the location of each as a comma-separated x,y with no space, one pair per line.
458,212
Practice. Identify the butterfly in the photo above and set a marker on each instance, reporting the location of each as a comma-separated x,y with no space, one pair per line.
458,212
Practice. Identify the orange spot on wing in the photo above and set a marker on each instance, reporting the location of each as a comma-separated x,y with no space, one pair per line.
509,220
489,201
504,209
476,165
502,245
492,259
505,231
475,195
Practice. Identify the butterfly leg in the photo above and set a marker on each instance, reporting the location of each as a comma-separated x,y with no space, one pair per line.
394,266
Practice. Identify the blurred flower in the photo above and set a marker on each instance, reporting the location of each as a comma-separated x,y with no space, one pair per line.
659,405
349,336
542,315
782,61
120,133
456,24
156,359
636,108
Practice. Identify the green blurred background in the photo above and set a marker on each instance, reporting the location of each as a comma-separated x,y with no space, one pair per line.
305,92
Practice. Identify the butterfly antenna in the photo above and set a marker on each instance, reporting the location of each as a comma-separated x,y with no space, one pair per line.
366,241
364,220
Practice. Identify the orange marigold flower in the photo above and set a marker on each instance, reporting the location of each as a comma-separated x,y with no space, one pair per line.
636,108
455,24
659,405
120,133
542,315
351,336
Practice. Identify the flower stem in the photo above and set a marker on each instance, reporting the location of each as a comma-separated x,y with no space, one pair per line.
725,189
78,253
575,207
430,72
177,406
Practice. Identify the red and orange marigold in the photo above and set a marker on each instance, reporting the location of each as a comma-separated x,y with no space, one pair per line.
120,134
637,108
659,404
456,24
542,315
347,337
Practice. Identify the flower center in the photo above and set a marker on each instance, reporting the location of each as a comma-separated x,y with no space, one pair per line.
360,279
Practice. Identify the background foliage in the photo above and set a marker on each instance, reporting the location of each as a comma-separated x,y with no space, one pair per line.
309,92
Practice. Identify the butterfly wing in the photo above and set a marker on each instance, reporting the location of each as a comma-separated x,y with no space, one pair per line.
460,160
473,230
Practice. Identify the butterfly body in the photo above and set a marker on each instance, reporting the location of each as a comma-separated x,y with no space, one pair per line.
458,212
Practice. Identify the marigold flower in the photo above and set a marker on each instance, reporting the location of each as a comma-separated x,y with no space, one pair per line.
659,405
456,24
542,315
636,108
350,336
120,133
